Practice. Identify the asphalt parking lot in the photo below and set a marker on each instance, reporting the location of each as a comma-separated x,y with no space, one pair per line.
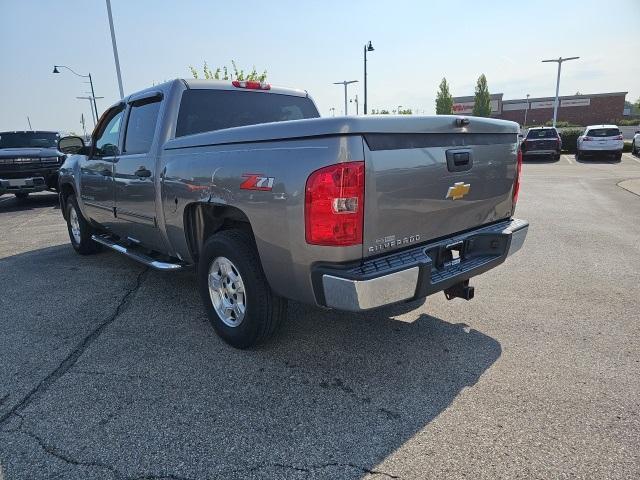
111,371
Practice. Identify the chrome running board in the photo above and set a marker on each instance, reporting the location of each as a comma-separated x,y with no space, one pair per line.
138,256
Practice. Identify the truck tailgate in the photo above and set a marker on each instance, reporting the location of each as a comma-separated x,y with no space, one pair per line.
427,185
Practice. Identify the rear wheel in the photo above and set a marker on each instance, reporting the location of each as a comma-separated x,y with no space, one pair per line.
618,156
238,300
22,195
579,156
79,229
634,150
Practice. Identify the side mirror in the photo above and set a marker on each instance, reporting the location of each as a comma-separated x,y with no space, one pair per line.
70,145
638,131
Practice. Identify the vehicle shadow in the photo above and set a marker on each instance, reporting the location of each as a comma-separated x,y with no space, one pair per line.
539,160
598,160
9,203
332,394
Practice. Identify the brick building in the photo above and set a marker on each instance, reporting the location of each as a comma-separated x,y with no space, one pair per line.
578,109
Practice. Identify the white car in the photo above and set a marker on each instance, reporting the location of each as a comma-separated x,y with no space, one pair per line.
600,139
635,144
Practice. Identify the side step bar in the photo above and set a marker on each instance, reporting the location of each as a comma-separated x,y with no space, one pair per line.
136,255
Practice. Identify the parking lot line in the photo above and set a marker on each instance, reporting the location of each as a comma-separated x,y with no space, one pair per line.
568,159
628,155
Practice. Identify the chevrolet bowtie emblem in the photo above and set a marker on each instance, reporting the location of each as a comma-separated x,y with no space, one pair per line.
459,190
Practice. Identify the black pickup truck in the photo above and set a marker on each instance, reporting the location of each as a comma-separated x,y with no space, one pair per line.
29,162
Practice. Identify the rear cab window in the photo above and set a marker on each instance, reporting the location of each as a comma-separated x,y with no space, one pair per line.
542,133
603,132
205,110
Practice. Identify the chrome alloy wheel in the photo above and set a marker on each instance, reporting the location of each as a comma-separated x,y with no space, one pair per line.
75,225
226,290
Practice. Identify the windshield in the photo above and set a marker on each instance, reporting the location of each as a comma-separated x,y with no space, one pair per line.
542,133
29,139
603,132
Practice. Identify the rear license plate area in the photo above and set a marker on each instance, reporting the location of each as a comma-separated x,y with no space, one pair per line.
455,253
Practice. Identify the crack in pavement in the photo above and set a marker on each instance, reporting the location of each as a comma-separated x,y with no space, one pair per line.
307,469
75,354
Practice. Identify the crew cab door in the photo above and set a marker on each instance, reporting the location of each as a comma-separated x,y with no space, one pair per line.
96,170
135,173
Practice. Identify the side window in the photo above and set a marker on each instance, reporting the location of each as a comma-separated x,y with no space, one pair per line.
107,140
141,127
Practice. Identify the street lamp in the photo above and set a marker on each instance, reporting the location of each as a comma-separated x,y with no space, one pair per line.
357,104
345,83
367,48
399,107
524,125
333,110
559,61
93,95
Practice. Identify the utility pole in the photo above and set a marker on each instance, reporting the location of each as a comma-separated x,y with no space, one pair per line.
91,98
559,62
115,51
29,122
524,125
84,130
346,103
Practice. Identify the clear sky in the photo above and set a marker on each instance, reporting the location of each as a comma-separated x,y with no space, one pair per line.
309,45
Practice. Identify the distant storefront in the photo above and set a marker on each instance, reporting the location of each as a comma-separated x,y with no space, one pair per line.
577,109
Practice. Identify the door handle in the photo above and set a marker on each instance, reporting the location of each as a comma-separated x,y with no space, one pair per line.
459,160
142,172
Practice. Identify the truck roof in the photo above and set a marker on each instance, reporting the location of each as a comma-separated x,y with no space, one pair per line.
194,83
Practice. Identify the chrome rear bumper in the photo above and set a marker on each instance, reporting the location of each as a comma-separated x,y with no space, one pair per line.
420,271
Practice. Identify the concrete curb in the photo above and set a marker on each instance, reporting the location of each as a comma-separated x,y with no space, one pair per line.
632,185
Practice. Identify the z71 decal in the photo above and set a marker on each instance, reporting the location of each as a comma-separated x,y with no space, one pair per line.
257,181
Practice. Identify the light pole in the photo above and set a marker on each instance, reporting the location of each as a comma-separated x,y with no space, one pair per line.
93,95
333,110
367,48
95,119
524,125
345,83
115,50
399,107
357,104
559,61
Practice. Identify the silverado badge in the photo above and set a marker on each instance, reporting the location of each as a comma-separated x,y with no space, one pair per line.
459,190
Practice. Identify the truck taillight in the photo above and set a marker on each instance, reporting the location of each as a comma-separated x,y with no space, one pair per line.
516,183
251,85
619,137
334,205
586,139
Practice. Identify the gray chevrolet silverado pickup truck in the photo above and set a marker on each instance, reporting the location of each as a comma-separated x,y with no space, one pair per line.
269,202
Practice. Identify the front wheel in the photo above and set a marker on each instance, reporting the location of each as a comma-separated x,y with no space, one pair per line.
79,229
238,300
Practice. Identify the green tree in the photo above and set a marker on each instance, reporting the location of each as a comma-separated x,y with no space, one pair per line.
482,100
225,73
444,100
637,104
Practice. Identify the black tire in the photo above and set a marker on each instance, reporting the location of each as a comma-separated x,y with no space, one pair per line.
618,157
21,195
579,156
84,245
264,311
634,150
